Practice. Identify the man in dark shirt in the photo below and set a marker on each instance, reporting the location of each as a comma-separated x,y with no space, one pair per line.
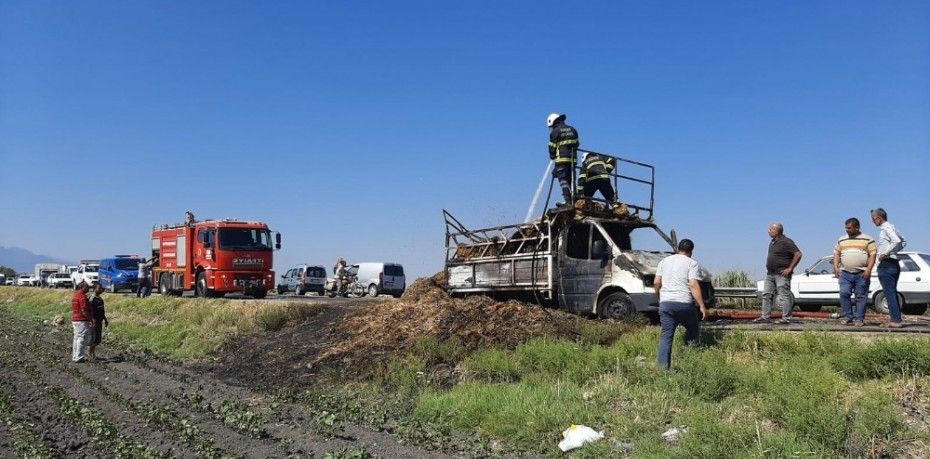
100,319
784,256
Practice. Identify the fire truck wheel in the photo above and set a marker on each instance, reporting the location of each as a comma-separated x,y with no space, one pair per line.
200,289
163,285
259,294
616,306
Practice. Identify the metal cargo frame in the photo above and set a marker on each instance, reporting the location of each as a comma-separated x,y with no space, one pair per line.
509,258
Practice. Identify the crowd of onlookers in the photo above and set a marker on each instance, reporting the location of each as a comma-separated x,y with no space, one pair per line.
855,255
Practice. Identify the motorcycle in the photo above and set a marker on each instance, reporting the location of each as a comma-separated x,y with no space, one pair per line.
348,286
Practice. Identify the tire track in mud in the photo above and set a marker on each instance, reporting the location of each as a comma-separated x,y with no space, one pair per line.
185,413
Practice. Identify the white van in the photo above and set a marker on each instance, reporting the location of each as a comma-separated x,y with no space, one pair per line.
378,278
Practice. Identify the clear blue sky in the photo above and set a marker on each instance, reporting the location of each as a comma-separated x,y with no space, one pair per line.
347,126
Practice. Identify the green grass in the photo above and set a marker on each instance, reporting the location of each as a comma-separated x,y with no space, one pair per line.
177,328
749,395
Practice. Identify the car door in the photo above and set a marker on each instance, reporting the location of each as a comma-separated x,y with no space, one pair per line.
911,276
818,283
580,276
286,281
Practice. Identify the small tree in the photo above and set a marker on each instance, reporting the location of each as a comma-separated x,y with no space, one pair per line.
8,272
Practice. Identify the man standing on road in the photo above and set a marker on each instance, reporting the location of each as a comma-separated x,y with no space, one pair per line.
82,319
783,257
855,254
890,243
145,277
563,147
676,281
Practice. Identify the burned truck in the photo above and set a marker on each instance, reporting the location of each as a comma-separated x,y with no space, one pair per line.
582,259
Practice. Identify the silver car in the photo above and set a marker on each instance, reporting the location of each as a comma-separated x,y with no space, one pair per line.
302,279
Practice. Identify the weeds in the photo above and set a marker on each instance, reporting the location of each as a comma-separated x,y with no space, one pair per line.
26,440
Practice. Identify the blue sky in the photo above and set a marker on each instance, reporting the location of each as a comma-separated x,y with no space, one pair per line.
348,126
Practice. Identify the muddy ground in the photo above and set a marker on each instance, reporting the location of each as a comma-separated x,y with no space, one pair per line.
139,406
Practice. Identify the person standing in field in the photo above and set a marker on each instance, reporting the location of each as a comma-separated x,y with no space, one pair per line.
100,319
853,259
890,243
82,320
784,256
680,298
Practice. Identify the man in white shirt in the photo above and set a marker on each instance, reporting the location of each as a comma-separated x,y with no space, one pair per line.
890,243
677,282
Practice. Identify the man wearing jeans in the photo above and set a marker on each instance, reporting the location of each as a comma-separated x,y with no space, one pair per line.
676,282
783,257
890,243
853,259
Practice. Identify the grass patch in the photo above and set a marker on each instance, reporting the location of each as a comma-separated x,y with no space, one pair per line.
749,395
177,328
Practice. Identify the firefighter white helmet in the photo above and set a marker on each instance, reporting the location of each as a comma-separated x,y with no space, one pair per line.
553,117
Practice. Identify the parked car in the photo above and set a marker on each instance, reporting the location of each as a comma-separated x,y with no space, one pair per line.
9,281
817,287
86,272
59,280
378,278
25,280
119,273
302,279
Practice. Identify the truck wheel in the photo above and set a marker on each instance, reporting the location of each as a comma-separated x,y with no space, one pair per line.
163,285
372,290
200,288
280,290
259,294
616,306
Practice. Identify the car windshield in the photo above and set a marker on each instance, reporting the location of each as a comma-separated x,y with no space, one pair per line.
127,263
245,239
644,238
91,268
824,266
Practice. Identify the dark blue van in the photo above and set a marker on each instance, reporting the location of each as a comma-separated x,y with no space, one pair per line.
120,272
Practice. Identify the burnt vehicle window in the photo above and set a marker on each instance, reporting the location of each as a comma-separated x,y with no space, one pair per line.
393,270
316,272
245,239
578,236
645,238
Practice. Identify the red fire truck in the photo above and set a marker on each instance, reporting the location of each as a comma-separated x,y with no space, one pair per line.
214,257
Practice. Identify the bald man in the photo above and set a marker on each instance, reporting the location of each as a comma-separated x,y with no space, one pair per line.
783,257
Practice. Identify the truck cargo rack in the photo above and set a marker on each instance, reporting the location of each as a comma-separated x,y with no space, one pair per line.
510,257
628,173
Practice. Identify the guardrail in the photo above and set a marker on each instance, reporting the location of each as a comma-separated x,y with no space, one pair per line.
741,293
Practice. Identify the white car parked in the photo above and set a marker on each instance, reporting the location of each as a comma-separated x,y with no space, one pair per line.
816,287
59,280
25,280
86,272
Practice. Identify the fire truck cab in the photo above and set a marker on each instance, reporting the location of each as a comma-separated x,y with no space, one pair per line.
214,257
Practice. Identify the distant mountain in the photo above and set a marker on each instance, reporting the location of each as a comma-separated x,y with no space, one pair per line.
24,261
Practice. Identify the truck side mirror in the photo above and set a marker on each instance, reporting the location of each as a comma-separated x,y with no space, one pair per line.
599,250
277,241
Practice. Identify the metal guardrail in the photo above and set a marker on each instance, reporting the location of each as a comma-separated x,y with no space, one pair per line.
741,293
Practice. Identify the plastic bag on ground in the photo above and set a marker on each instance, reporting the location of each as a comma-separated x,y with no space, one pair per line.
576,435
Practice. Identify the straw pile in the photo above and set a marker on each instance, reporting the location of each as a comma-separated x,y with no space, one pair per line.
386,329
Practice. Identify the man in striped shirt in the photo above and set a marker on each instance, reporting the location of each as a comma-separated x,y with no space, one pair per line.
853,259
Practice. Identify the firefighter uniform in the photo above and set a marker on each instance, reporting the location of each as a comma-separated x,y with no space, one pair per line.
595,176
563,145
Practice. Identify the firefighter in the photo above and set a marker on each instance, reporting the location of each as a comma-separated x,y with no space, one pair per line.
563,144
595,176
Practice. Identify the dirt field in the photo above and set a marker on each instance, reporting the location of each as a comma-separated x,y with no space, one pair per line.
138,406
